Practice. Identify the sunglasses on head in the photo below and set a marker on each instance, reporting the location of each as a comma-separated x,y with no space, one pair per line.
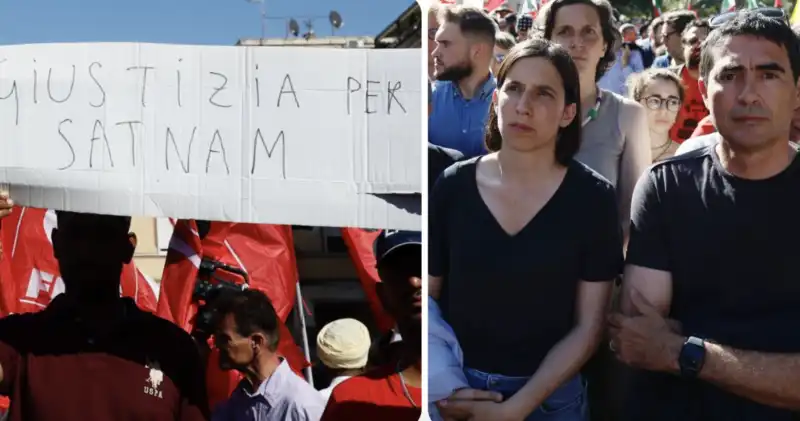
768,12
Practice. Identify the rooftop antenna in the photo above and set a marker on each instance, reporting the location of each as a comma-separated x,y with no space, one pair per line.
294,28
309,24
336,21
263,13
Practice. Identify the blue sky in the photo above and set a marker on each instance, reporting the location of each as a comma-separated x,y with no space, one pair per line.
218,22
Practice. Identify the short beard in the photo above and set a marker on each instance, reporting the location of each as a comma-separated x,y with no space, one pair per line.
455,73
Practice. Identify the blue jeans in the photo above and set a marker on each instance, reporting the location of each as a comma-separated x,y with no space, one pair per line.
567,403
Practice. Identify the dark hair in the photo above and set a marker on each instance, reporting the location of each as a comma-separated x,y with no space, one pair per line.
105,222
755,25
655,25
770,12
697,23
472,22
637,83
679,19
645,28
252,311
569,140
505,40
546,20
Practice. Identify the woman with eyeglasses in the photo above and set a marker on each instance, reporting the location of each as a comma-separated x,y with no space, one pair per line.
661,93
616,140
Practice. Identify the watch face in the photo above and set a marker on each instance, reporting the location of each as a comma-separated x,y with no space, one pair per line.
692,357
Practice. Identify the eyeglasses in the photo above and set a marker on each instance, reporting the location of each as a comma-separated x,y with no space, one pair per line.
692,41
656,103
768,12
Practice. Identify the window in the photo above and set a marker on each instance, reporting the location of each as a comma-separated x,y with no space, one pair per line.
163,235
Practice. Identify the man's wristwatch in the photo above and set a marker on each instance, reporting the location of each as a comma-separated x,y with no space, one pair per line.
692,357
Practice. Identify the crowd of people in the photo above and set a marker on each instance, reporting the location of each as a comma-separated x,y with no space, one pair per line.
93,355
606,211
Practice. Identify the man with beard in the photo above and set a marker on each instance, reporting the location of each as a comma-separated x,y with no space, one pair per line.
247,335
92,355
674,23
709,248
433,26
693,109
393,392
464,85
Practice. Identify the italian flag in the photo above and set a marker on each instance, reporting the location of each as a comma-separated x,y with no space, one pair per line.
529,7
728,6
656,8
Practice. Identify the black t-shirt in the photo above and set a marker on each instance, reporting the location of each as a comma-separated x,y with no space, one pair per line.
730,246
439,159
510,299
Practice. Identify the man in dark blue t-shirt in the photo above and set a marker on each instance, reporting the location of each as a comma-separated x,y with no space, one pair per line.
710,248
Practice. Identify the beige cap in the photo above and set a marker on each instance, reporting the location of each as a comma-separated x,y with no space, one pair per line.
344,344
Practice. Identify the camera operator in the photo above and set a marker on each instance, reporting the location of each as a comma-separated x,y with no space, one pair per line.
247,335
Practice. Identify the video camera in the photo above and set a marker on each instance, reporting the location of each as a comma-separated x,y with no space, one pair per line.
208,286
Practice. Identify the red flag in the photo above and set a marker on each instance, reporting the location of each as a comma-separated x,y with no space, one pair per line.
264,252
360,247
491,5
180,271
29,271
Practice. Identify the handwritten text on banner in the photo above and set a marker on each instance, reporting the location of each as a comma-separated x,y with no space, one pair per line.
285,135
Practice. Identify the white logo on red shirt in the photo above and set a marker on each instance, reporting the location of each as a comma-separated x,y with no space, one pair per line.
153,382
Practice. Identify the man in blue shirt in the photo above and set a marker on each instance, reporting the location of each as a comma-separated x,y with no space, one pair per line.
464,85
674,24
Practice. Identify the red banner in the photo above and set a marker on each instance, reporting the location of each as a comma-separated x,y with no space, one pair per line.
29,274
264,252
360,247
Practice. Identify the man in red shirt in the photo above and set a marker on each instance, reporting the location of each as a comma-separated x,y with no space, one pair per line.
392,392
92,355
694,109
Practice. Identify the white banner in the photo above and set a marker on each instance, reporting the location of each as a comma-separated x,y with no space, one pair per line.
283,135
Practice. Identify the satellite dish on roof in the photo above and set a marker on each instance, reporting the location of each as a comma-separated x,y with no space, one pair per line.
336,21
294,28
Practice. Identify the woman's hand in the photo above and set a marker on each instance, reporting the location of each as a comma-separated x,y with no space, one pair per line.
460,405
481,411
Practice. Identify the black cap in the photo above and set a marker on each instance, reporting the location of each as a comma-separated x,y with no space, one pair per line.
391,240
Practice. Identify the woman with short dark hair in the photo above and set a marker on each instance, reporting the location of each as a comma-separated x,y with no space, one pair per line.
524,244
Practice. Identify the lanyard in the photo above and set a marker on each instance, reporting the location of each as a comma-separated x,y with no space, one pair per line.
593,112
